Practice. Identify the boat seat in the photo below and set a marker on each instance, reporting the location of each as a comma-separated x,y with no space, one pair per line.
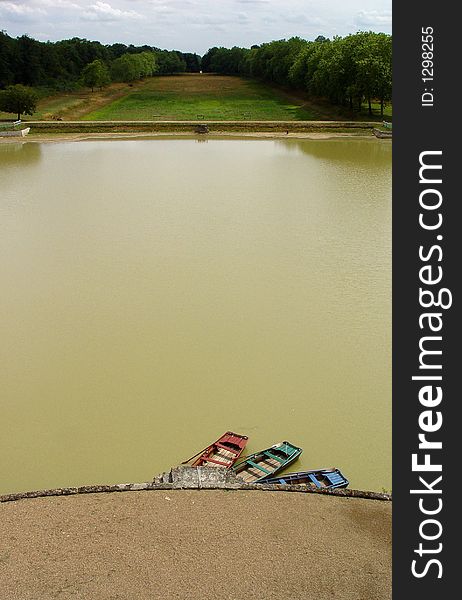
334,478
314,480
278,458
226,448
256,466
218,462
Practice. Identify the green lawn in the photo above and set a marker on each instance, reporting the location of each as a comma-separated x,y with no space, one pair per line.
387,111
210,97
57,105
190,97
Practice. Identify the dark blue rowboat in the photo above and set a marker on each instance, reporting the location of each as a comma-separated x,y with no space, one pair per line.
317,478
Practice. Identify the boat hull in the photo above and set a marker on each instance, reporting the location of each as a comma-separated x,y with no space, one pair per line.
222,453
316,479
267,463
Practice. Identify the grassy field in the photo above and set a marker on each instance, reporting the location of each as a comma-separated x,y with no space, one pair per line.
73,105
196,96
387,112
190,97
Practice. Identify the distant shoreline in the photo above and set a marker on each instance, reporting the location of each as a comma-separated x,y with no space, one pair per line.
75,137
48,131
50,137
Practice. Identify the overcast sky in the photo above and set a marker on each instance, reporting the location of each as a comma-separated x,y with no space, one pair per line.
191,25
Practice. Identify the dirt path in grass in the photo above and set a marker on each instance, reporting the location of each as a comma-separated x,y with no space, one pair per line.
74,105
195,545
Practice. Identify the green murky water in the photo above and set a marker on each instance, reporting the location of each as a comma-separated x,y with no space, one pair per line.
156,293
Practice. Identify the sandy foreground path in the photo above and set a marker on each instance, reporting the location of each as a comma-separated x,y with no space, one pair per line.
196,545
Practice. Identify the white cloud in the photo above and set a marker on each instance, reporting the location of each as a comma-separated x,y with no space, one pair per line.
59,4
102,11
374,18
252,1
18,9
302,19
19,14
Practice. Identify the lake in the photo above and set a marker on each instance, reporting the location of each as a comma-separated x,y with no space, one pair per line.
156,293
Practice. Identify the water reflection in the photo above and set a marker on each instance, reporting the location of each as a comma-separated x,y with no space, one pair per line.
360,152
19,153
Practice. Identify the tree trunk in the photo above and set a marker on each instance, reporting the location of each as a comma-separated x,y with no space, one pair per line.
369,105
381,107
19,116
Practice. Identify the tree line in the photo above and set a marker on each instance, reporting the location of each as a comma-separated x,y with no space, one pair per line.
60,65
347,71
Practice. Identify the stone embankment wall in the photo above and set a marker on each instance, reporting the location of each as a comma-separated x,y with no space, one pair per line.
191,126
200,478
15,133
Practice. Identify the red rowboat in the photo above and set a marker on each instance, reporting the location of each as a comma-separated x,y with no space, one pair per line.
222,453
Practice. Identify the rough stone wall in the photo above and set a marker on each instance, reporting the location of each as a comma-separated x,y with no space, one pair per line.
186,477
200,478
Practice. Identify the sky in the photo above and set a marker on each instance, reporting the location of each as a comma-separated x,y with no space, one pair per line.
192,25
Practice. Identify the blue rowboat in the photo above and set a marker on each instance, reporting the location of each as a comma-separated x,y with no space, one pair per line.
266,463
317,478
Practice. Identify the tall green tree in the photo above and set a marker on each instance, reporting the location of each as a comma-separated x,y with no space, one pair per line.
131,67
18,99
96,74
170,62
29,69
7,46
147,64
193,62
373,60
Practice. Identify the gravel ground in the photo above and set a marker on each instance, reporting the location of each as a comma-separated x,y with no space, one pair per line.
195,545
